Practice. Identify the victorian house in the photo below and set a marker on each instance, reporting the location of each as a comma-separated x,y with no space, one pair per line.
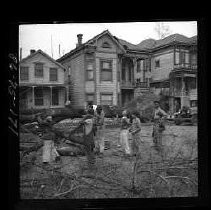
174,69
112,71
41,82
106,70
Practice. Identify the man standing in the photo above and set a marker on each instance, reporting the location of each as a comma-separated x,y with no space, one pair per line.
158,116
49,151
88,137
135,131
124,133
99,120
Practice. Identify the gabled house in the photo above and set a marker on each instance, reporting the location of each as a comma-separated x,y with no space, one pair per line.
112,71
174,69
102,70
41,82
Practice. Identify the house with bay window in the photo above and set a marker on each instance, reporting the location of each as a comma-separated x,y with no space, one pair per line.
103,70
107,70
42,82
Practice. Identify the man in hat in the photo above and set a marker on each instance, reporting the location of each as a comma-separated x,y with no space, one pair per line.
158,118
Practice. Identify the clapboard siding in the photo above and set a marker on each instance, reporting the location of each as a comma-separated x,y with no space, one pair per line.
47,64
106,87
166,65
89,86
76,66
113,46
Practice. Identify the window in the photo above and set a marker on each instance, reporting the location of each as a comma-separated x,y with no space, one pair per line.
106,45
53,74
39,70
106,99
55,97
89,56
193,103
146,66
38,93
106,71
182,57
24,73
176,57
140,65
194,59
90,71
157,63
90,98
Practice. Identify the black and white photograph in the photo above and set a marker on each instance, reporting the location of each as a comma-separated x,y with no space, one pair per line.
108,110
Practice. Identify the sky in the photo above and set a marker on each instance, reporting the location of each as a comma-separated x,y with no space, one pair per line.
48,37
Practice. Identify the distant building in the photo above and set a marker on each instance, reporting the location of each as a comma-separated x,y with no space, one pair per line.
41,82
174,70
112,71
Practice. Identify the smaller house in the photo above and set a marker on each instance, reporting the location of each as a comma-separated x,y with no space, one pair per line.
42,82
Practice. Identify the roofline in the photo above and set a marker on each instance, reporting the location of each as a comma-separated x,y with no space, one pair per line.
44,54
87,44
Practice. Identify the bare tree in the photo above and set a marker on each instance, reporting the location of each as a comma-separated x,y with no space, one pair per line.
162,30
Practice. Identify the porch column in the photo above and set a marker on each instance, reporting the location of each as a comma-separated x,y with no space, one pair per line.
67,93
134,68
120,80
183,96
50,96
33,101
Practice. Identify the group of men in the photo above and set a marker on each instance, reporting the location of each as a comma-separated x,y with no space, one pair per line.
93,127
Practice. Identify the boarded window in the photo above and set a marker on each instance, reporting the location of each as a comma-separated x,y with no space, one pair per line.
53,74
24,73
39,70
106,99
38,94
106,71
55,97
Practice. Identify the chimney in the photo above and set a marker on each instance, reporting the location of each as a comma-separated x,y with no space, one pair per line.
79,36
32,51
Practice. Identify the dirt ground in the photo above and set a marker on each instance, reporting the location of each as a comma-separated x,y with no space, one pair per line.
171,173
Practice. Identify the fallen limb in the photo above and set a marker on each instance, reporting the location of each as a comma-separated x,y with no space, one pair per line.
181,177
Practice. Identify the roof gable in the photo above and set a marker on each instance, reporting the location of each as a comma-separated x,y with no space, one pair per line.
106,32
43,54
152,44
92,42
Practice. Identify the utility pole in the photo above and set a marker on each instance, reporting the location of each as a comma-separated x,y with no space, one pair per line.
59,51
51,48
